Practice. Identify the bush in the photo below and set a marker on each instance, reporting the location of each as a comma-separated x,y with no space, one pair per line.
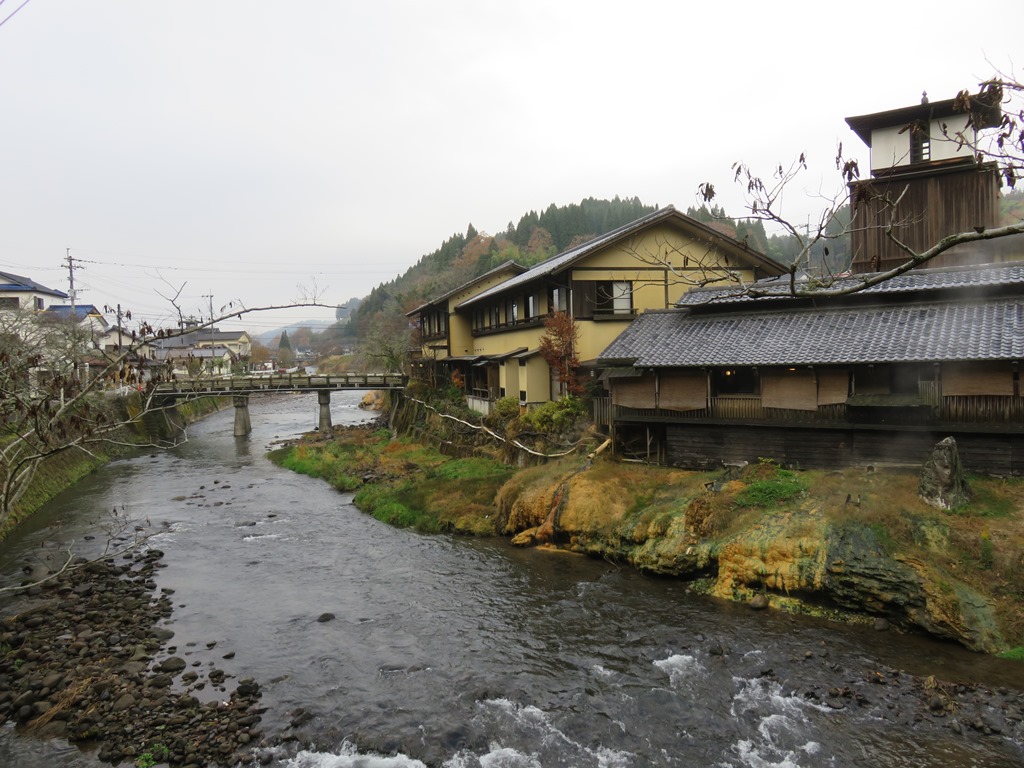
504,410
555,417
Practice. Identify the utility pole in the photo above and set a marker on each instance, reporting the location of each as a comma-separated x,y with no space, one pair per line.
210,297
70,261
74,320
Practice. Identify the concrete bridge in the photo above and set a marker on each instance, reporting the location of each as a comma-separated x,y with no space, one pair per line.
240,387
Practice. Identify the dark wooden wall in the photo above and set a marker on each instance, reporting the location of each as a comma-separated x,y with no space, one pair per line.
933,206
693,446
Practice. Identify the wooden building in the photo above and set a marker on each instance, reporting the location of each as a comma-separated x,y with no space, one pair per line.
875,377
940,186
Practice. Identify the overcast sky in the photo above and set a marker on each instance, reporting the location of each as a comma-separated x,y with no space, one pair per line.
246,147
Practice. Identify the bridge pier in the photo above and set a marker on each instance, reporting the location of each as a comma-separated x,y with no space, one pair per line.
324,398
243,424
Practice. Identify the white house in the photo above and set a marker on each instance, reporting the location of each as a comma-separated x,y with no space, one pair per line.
17,292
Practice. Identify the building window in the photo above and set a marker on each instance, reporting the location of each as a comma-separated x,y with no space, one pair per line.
39,304
495,317
920,143
614,298
9,302
557,300
531,307
736,381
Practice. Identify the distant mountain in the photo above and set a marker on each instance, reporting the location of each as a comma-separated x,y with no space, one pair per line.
268,338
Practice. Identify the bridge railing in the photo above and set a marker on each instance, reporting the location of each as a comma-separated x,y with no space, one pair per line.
282,382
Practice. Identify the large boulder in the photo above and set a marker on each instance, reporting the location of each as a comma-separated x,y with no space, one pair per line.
943,484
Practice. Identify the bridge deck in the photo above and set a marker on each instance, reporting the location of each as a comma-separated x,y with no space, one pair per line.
247,385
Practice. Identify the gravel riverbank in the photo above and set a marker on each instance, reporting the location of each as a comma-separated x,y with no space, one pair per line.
85,659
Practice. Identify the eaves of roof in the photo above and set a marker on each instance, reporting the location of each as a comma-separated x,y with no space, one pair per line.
863,125
505,266
572,256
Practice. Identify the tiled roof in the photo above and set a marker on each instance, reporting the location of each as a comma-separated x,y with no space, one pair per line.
12,282
950,330
82,311
507,265
566,258
983,276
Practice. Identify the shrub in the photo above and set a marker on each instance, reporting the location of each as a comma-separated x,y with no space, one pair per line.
504,410
555,417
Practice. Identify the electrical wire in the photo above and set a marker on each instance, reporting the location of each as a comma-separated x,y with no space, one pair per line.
12,12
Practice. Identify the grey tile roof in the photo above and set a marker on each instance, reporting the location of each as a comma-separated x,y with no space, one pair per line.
982,276
950,330
566,258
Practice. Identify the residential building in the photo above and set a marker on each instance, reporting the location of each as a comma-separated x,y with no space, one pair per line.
86,316
872,378
444,336
17,292
195,361
493,336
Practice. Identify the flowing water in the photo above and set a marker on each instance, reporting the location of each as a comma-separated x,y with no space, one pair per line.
469,653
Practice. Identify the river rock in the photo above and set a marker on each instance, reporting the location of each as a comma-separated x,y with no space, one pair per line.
72,667
171,665
943,484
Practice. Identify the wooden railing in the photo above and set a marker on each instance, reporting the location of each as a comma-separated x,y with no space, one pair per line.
982,409
1005,411
240,385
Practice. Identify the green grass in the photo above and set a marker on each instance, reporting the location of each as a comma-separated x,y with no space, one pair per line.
773,491
469,469
985,501
1014,654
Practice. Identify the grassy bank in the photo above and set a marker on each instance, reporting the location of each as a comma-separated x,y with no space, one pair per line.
853,544
402,482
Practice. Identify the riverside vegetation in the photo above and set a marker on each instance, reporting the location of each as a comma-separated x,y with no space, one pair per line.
857,545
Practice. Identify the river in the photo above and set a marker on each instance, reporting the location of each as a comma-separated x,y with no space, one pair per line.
469,653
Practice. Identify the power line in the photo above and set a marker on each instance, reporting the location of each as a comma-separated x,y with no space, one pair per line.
13,12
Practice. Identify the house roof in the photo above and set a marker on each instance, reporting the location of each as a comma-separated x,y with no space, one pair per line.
180,353
204,335
966,330
81,311
505,266
863,125
917,281
566,259
9,282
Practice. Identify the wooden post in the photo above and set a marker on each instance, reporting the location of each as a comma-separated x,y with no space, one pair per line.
324,398
243,425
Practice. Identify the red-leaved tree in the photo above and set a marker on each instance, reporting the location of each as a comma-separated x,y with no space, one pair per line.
558,348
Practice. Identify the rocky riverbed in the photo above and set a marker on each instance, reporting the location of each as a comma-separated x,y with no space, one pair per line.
85,659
